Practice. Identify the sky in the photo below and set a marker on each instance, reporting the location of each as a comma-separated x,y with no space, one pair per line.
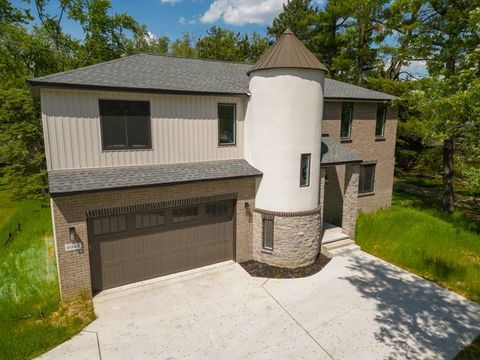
174,17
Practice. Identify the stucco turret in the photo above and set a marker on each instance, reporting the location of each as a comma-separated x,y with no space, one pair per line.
284,121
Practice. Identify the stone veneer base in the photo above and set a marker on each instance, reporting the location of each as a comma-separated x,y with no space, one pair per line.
296,239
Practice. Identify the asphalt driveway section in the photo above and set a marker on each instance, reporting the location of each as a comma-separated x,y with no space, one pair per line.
357,307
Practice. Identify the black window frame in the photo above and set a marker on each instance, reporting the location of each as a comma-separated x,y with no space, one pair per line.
383,120
148,146
264,233
234,105
361,179
350,121
309,165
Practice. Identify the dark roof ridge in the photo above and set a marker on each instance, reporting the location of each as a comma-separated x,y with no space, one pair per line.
195,58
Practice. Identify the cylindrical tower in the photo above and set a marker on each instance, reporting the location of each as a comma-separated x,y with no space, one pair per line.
283,139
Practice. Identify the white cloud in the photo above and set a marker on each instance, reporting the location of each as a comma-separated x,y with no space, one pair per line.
416,68
184,21
241,12
150,37
170,1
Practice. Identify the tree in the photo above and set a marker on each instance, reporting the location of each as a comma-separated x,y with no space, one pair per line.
184,47
299,16
447,37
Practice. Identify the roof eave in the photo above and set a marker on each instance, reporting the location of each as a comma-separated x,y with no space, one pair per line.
56,85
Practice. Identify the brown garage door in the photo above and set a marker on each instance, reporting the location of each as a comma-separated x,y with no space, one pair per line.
138,246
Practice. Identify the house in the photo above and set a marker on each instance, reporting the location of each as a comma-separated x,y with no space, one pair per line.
160,164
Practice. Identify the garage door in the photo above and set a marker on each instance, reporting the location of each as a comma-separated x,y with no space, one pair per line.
132,247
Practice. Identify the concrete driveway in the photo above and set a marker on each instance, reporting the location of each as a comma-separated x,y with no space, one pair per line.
358,307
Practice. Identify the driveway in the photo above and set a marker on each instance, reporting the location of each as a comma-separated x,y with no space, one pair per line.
358,307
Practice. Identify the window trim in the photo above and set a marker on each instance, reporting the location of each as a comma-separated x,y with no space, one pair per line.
309,157
234,143
264,247
149,128
384,121
374,166
349,136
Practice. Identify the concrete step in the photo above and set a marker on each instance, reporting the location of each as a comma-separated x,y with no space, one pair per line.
332,233
334,237
339,248
340,243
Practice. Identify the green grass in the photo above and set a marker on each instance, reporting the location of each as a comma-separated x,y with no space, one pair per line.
425,244
32,319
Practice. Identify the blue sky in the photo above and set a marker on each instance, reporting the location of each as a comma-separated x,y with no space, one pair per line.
174,17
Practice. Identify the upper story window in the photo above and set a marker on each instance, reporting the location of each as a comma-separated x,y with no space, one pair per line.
305,170
125,124
380,124
227,114
366,181
346,122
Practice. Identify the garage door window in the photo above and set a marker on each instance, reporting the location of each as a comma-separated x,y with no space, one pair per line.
109,225
143,221
217,210
185,214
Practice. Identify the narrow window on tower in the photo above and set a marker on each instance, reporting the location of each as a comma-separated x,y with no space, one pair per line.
305,170
267,243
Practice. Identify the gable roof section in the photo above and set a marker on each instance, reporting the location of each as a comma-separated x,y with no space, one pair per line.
288,52
168,74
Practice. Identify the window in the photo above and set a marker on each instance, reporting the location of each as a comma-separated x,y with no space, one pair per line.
268,234
367,178
143,221
109,225
217,210
226,124
125,124
185,214
305,170
381,118
346,122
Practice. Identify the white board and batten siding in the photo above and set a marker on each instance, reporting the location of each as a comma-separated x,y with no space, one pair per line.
184,129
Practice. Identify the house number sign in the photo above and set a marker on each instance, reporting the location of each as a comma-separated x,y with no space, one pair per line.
73,246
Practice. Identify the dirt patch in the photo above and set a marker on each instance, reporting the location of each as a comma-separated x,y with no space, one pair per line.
259,269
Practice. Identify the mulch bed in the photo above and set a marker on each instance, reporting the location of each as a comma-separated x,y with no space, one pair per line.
259,269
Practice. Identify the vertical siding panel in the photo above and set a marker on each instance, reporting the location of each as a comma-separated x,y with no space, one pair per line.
184,129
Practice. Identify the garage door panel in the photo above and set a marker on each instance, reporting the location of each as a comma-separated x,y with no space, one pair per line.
142,253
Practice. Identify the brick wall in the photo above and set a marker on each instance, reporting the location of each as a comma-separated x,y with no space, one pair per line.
70,211
363,141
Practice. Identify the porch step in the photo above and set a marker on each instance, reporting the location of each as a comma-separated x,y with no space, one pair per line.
332,233
339,248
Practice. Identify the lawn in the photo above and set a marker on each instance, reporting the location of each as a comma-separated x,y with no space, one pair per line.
424,244
32,319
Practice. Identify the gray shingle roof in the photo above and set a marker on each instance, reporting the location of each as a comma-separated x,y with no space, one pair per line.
335,153
82,180
156,73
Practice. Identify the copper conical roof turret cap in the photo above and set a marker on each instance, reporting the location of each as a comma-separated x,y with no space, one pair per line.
288,52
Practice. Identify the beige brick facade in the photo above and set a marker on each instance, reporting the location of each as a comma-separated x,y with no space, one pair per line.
362,141
296,240
70,211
